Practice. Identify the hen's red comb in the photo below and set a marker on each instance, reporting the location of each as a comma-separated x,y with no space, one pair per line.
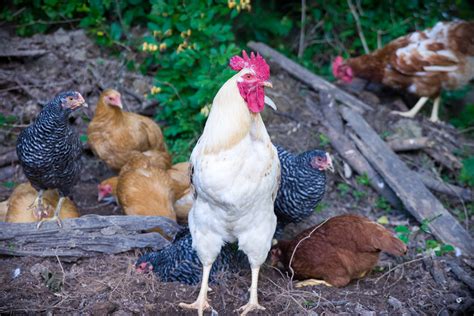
256,62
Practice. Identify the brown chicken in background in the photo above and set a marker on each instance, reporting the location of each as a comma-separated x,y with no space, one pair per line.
423,63
113,133
144,187
333,253
22,199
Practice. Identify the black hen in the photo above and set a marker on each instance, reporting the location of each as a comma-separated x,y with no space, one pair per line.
303,183
49,150
179,262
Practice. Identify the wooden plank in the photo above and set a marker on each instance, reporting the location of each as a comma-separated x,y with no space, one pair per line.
312,80
346,148
418,200
85,236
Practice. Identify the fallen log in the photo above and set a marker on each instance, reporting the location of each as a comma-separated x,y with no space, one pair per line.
461,274
8,158
23,53
409,144
312,80
85,236
418,200
439,186
347,149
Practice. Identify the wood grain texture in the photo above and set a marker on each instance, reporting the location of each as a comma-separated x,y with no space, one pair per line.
418,200
86,236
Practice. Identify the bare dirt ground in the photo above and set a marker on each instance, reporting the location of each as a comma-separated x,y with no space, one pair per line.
415,284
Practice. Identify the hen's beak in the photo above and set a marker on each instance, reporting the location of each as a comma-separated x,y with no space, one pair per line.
79,102
329,162
270,103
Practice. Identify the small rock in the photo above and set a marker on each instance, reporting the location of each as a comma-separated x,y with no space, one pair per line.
38,269
103,308
394,302
61,37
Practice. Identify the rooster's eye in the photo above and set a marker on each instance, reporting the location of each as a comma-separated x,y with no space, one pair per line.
248,76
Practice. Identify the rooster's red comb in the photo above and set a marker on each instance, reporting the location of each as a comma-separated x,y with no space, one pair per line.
256,62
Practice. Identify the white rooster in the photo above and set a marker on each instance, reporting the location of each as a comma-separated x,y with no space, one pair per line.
235,176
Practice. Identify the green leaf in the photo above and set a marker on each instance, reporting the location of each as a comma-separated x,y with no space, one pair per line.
9,184
383,220
402,229
83,138
115,31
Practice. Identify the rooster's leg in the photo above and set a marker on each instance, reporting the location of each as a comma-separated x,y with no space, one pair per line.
414,110
56,215
434,114
253,302
311,282
201,303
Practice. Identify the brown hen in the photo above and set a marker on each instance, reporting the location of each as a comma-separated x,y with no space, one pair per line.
423,63
114,134
21,200
341,249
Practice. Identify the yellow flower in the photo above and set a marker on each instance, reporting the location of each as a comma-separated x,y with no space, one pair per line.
162,47
155,90
180,48
189,32
145,46
168,32
231,4
156,33
183,34
100,33
205,110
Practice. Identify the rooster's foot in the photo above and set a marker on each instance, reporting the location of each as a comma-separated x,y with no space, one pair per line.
311,282
200,304
54,218
404,114
250,306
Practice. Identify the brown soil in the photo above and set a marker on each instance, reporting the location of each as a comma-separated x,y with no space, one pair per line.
109,285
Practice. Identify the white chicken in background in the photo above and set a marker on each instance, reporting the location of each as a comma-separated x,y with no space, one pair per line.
235,176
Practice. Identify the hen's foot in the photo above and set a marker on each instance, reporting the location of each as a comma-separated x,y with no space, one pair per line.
54,218
311,282
247,308
37,207
200,305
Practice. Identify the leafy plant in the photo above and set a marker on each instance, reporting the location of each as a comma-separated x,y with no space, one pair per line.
382,204
403,233
323,140
363,179
343,188
320,207
438,248
358,195
467,172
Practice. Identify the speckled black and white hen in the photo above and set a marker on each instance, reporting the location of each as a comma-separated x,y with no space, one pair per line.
178,262
49,150
303,183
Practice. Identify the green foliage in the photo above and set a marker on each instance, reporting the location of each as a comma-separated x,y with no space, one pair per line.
382,204
320,207
343,188
9,184
363,179
359,195
403,233
465,119
467,172
6,120
438,248
323,140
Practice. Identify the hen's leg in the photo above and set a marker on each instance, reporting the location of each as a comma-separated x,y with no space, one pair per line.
253,301
56,215
434,114
414,110
201,303
37,205
311,282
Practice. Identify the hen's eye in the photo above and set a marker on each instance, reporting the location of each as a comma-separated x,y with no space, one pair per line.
248,76
69,98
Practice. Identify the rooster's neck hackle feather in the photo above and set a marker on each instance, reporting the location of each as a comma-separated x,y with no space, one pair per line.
229,120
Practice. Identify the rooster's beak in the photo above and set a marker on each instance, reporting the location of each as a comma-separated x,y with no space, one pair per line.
270,103
267,84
